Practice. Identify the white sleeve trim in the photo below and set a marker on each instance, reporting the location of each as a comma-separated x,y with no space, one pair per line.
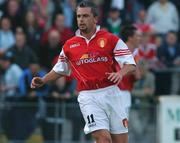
62,66
122,54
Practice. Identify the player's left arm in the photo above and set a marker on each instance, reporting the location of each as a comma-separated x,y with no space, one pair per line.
116,77
126,60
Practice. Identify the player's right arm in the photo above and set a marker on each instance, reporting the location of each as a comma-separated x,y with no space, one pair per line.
40,81
60,69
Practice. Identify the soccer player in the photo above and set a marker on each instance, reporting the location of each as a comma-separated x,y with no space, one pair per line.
92,55
132,37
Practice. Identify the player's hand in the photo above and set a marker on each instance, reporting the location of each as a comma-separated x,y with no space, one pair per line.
115,77
37,82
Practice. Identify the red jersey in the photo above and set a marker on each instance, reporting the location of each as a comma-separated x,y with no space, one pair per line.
90,60
128,81
148,53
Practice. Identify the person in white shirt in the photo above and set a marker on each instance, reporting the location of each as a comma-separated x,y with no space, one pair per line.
7,38
12,74
163,15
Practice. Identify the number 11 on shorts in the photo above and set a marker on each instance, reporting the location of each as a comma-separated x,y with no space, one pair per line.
91,120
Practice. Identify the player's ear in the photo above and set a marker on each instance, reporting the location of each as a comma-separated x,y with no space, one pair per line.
96,19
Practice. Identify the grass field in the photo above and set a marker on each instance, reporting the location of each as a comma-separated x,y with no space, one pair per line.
34,138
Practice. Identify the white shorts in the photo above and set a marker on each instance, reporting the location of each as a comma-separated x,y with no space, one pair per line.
126,99
103,109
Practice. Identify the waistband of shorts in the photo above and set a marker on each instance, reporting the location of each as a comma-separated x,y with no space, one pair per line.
98,90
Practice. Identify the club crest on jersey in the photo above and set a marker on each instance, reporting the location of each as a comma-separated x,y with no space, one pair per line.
102,42
125,122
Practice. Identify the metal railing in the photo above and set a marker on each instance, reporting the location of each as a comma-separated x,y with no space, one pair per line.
60,121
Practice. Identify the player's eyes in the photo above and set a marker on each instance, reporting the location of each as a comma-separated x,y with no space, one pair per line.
85,16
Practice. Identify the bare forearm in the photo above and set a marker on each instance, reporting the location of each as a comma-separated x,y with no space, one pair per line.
51,76
127,69
116,77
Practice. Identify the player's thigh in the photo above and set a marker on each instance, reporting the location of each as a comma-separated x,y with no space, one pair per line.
94,114
102,136
95,118
119,138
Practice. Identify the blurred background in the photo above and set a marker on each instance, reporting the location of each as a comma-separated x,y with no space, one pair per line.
32,33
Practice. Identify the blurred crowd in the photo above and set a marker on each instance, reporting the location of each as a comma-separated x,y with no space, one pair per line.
32,33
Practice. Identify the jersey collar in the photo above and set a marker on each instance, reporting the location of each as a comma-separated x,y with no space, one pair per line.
79,34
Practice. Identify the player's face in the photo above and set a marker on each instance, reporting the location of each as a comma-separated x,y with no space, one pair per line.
85,19
137,38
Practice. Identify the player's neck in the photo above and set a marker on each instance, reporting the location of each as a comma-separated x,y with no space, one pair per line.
89,34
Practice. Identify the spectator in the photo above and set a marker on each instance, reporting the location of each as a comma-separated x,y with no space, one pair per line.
148,51
141,22
7,38
101,9
33,32
50,49
12,74
119,4
43,11
59,24
2,4
21,52
61,91
143,113
113,22
131,10
15,13
68,8
163,15
27,118
145,86
169,53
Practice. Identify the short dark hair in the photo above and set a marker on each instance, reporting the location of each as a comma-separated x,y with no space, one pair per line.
127,31
88,3
172,32
7,56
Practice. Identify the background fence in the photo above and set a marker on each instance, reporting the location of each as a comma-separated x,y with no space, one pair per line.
58,121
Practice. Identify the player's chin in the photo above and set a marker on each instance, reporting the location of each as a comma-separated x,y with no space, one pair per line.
82,27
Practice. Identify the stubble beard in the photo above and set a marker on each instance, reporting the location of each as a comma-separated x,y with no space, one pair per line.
84,30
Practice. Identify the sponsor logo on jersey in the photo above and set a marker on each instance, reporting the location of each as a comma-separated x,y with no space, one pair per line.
102,42
74,45
91,58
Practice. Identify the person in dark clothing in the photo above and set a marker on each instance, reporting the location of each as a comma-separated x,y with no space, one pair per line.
33,32
61,91
50,49
22,54
169,53
14,12
28,115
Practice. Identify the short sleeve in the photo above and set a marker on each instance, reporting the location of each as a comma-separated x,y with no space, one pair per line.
62,65
122,54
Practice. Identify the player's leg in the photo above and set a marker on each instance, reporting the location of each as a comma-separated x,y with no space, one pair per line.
102,136
95,116
126,100
118,118
120,138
